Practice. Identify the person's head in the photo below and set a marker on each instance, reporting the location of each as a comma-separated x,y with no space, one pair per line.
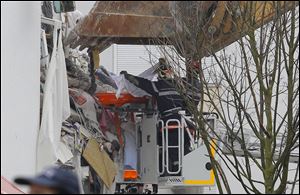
53,180
164,70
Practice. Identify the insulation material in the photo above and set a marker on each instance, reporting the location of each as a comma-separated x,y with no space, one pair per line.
64,153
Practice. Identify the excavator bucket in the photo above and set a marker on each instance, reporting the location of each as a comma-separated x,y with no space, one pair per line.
157,22
124,22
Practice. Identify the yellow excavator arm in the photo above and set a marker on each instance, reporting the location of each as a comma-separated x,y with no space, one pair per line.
233,18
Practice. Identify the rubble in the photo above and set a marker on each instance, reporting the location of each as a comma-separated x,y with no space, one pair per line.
90,142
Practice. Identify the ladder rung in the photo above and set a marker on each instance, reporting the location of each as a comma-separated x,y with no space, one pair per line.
173,146
172,127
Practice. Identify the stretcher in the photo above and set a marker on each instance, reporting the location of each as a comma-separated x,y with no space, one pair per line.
110,99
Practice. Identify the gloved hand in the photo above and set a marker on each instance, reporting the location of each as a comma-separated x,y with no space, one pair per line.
124,72
129,77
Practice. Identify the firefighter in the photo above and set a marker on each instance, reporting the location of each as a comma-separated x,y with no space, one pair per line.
169,102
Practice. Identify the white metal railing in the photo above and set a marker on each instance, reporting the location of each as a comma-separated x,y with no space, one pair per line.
161,148
181,126
164,148
167,127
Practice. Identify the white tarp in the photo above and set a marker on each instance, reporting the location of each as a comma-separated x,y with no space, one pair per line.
150,72
125,85
56,107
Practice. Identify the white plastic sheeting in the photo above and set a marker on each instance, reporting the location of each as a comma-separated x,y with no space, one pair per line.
56,106
125,85
150,72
